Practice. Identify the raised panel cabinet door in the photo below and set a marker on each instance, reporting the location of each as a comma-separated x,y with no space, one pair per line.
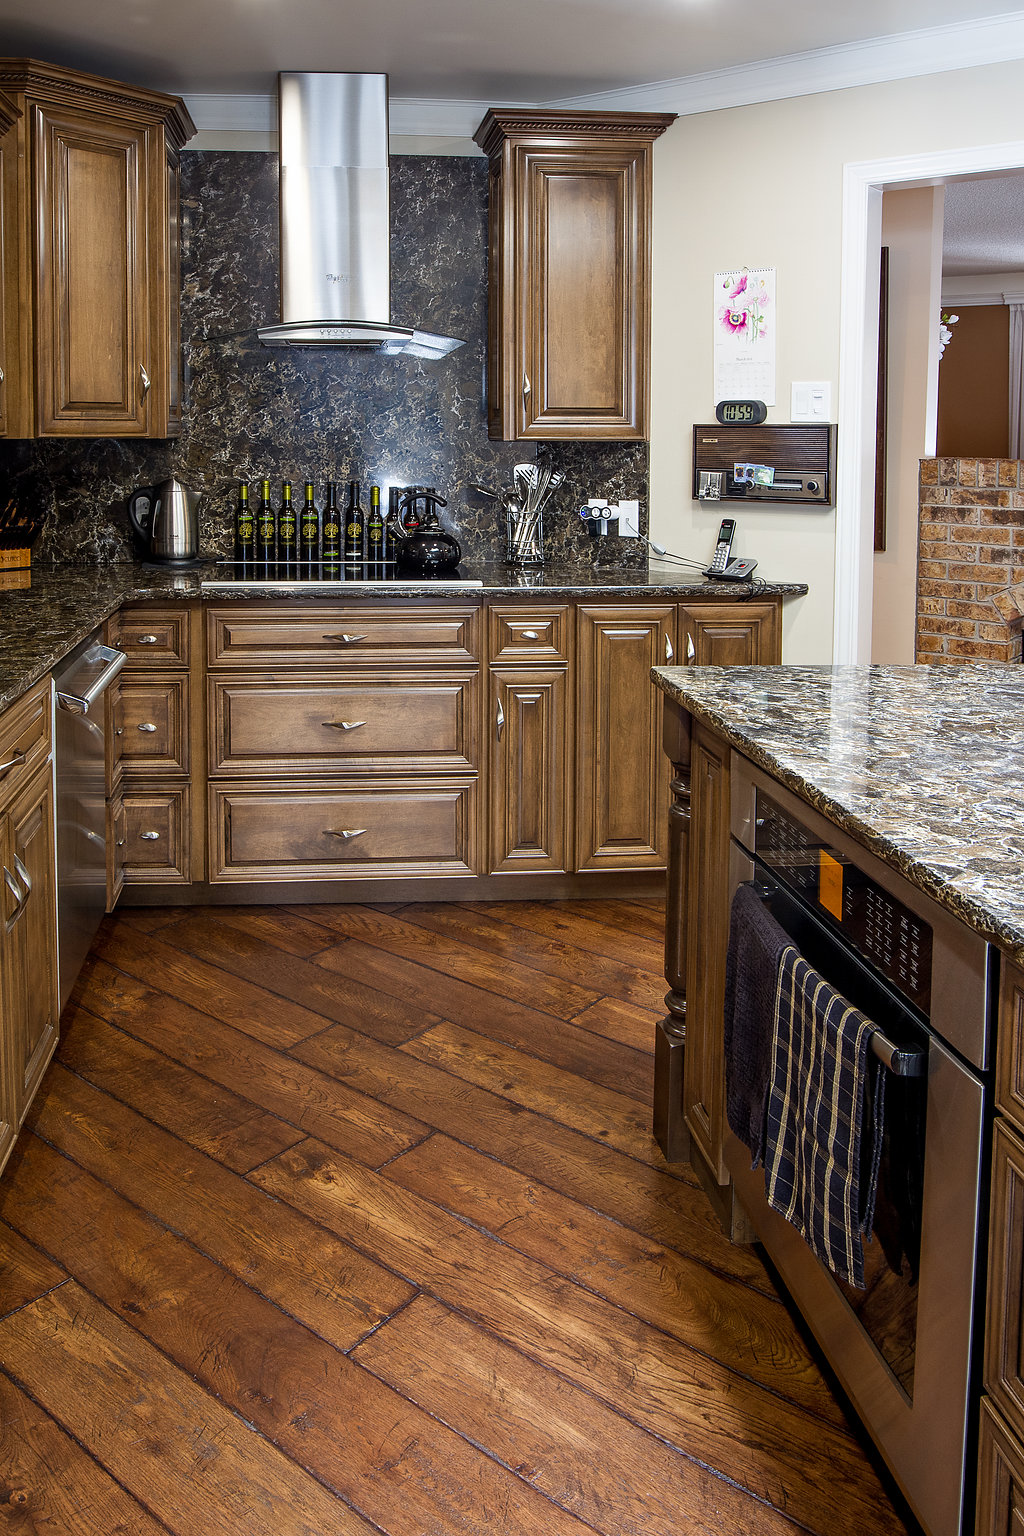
737,634
9,255
32,932
1004,1332
10,995
621,772
707,917
528,775
581,266
95,362
1000,1478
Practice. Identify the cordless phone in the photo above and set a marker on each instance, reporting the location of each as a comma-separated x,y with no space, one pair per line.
721,567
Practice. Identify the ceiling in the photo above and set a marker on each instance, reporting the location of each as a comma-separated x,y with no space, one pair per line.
983,226
541,51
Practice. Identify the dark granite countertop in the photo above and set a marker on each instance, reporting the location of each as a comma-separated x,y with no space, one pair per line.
41,623
923,765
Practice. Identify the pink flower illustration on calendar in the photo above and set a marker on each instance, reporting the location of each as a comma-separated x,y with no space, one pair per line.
744,314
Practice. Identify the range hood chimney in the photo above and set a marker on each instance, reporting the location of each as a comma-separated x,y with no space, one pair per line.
335,239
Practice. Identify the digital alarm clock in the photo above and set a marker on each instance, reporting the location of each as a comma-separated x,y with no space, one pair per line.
741,413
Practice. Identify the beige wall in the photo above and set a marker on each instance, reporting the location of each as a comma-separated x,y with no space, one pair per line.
762,186
912,229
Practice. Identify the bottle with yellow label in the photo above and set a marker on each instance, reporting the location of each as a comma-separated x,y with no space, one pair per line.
332,532
355,524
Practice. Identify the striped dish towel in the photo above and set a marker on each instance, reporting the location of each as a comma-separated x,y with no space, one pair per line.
826,1103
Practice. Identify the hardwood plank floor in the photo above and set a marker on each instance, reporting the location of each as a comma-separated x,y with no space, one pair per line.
330,1221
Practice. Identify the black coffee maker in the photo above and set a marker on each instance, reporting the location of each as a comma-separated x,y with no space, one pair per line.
421,545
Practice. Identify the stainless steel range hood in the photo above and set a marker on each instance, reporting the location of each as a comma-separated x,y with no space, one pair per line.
335,238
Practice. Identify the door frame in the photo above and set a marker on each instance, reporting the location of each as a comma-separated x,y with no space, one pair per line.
864,182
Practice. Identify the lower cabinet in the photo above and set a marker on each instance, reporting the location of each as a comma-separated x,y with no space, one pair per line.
529,791
28,936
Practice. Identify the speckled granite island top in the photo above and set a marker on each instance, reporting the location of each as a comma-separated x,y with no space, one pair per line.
41,623
923,765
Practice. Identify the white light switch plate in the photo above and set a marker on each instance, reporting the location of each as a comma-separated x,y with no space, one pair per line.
629,519
811,401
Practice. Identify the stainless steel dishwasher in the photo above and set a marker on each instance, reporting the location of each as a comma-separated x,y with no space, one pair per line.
80,682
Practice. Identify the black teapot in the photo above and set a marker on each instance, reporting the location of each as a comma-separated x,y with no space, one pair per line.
421,545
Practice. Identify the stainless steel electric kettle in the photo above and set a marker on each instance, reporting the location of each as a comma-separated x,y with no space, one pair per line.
166,518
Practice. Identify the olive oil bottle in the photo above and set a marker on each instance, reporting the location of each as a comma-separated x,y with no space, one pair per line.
287,532
309,532
354,528
375,536
245,528
332,532
266,528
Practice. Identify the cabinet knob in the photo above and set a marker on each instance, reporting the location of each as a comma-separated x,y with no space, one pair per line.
148,727
119,730
145,381
343,725
530,634
150,837
669,652
691,651
346,833
345,639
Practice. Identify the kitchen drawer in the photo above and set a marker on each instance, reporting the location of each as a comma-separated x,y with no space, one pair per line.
394,829
402,724
156,830
334,636
522,633
153,637
25,736
150,726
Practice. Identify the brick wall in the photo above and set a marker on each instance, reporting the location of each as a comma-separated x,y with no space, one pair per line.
970,570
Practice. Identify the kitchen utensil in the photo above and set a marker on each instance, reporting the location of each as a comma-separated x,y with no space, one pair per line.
166,518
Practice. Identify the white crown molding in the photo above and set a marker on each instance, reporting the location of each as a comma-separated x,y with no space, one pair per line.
933,50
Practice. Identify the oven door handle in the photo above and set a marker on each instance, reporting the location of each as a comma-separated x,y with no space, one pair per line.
895,1059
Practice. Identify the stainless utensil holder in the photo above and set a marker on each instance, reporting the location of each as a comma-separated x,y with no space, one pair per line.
525,538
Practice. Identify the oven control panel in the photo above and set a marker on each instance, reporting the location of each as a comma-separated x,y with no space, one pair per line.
895,940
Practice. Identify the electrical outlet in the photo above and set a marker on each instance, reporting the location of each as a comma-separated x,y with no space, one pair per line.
629,519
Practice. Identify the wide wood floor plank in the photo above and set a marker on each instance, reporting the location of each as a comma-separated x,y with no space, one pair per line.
748,1333
627,916
289,976
210,988
496,1017
613,1118
651,1200
50,1485
227,1127
756,1437
122,1399
578,1450
316,1104
588,932
614,1020
278,928
312,1275
25,1273
390,1459
551,957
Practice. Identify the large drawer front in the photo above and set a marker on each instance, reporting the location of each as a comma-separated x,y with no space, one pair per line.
24,739
340,636
312,727
150,726
155,825
391,829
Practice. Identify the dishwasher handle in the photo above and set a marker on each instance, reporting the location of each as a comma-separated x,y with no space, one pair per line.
79,704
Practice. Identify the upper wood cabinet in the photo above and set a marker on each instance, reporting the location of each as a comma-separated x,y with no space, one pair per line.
569,275
90,243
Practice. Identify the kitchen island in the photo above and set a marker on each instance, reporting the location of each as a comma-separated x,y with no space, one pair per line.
906,779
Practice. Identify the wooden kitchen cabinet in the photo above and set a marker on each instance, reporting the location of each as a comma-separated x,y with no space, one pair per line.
569,272
621,772
10,286
93,234
28,936
529,788
730,634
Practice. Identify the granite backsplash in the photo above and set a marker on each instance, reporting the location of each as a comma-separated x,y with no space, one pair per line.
252,412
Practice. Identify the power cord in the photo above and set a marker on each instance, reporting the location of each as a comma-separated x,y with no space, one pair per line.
755,583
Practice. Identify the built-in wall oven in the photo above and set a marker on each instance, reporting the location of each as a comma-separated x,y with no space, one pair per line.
903,1347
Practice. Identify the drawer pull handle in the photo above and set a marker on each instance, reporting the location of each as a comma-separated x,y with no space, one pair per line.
1,375
530,634
147,640
20,896
144,380
148,727
150,837
526,385
499,720
12,762
346,834
346,639
690,648
344,725
669,652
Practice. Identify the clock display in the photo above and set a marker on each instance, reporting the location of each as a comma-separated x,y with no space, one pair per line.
741,413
